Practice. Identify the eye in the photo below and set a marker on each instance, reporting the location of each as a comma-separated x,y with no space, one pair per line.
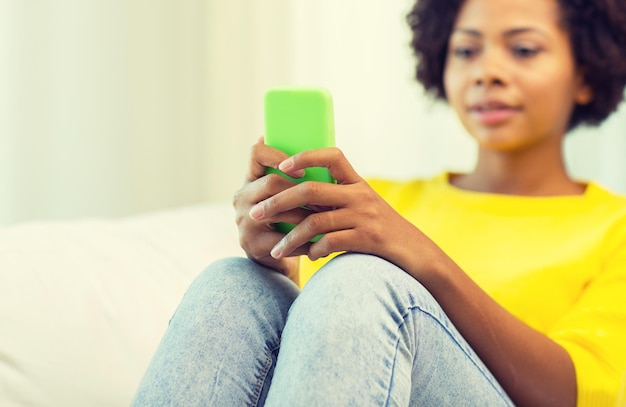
464,52
524,51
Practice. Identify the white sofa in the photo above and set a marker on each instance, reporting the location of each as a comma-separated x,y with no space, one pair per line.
84,303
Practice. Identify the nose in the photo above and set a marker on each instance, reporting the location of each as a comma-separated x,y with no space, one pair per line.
489,69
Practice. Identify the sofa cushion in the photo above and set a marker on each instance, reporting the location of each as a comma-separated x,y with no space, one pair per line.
84,303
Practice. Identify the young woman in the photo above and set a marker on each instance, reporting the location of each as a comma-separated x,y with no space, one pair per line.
505,285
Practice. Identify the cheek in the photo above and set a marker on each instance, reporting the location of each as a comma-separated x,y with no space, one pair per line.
547,112
550,94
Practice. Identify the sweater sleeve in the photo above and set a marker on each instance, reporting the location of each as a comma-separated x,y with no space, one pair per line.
594,331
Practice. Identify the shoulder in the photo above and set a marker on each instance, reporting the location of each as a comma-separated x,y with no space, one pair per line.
607,210
604,196
607,205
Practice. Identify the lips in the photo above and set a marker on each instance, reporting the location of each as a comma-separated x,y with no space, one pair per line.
492,112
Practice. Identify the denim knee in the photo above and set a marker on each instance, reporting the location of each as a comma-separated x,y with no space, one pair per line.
240,275
240,286
354,286
365,285
355,274
229,273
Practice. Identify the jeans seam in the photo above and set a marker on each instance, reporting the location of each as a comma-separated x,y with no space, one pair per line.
258,388
393,368
469,356
451,336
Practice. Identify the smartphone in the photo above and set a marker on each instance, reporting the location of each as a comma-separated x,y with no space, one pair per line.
299,119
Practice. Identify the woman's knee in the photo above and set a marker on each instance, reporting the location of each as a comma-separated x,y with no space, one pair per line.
357,274
364,285
225,273
355,283
241,284
238,273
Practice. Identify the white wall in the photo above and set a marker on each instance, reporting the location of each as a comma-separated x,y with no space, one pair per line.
102,107
249,49
113,107
600,154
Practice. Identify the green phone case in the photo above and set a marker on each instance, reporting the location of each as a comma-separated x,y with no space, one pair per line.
299,119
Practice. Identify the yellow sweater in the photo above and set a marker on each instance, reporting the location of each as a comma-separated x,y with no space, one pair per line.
556,263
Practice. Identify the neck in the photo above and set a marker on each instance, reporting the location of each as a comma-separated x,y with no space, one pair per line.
529,173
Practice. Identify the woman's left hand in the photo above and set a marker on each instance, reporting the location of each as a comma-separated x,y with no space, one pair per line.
360,221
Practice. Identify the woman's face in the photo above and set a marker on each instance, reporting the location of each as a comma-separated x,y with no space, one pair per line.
510,73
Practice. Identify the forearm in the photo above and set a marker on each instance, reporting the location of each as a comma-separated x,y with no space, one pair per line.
533,369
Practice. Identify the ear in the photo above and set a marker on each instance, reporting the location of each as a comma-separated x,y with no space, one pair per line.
583,94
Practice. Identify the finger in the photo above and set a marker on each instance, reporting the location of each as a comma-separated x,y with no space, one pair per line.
257,239
261,189
340,241
310,194
314,225
258,244
294,216
263,156
261,245
331,158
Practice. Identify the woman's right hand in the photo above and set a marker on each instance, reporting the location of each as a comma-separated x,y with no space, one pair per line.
258,238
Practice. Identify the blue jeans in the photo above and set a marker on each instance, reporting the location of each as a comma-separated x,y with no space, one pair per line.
361,333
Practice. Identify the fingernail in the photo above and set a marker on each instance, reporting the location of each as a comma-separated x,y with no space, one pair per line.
286,165
257,212
277,251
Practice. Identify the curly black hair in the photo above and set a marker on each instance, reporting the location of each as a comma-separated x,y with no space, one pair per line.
597,31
